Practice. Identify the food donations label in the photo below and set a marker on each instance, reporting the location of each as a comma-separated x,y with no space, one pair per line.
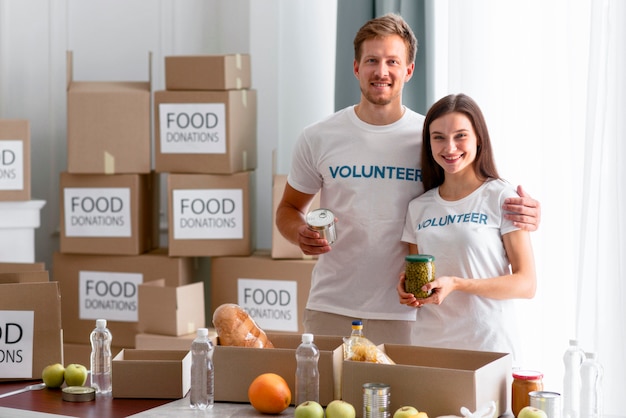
109,295
11,165
208,213
17,330
192,128
97,212
273,304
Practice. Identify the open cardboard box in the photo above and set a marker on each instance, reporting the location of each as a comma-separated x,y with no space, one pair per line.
251,362
171,310
434,380
158,374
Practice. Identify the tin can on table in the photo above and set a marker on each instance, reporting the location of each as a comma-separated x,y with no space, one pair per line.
323,221
376,401
549,402
419,270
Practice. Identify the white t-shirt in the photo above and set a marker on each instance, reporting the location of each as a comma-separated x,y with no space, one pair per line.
367,175
465,237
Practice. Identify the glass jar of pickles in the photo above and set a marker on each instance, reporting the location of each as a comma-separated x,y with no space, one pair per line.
419,270
524,382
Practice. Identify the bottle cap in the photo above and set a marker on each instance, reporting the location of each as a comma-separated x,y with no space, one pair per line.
357,324
203,332
101,323
307,338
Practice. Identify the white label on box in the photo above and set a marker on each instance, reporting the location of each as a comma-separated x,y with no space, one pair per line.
273,304
11,165
97,212
208,214
192,128
108,295
17,330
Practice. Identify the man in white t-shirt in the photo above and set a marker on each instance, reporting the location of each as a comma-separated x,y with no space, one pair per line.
364,161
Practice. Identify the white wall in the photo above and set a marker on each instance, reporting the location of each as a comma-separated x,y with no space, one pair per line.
288,41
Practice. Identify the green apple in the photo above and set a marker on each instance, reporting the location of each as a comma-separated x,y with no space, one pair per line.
53,375
531,412
309,409
340,409
405,412
75,375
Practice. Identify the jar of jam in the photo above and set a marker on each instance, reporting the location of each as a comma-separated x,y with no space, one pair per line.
524,382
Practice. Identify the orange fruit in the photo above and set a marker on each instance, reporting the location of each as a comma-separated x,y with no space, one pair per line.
269,393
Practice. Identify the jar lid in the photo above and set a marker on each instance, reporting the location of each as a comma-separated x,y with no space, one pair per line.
419,258
527,375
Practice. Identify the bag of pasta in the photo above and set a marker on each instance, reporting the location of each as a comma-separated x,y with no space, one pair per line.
358,348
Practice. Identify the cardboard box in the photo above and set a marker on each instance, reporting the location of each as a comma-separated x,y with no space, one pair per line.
101,286
207,72
81,353
15,180
209,214
17,267
205,132
167,342
30,320
109,214
251,362
437,381
108,125
281,248
157,374
171,310
18,221
273,292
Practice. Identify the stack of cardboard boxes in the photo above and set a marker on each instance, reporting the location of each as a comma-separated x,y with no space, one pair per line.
30,305
205,140
19,215
109,215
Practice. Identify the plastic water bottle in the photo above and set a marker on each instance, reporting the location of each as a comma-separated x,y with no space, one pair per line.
591,372
202,383
101,357
572,359
307,373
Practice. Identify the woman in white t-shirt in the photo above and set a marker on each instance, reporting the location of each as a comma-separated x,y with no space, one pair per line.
482,261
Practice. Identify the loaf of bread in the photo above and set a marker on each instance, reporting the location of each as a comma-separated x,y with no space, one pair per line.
235,327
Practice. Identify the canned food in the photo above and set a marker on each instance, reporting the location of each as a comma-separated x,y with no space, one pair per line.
549,402
323,221
78,394
376,401
419,270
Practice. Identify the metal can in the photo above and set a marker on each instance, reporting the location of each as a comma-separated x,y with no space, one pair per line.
376,400
419,270
549,402
323,221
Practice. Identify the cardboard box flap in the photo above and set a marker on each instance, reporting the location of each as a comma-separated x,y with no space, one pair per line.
17,267
172,311
25,277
